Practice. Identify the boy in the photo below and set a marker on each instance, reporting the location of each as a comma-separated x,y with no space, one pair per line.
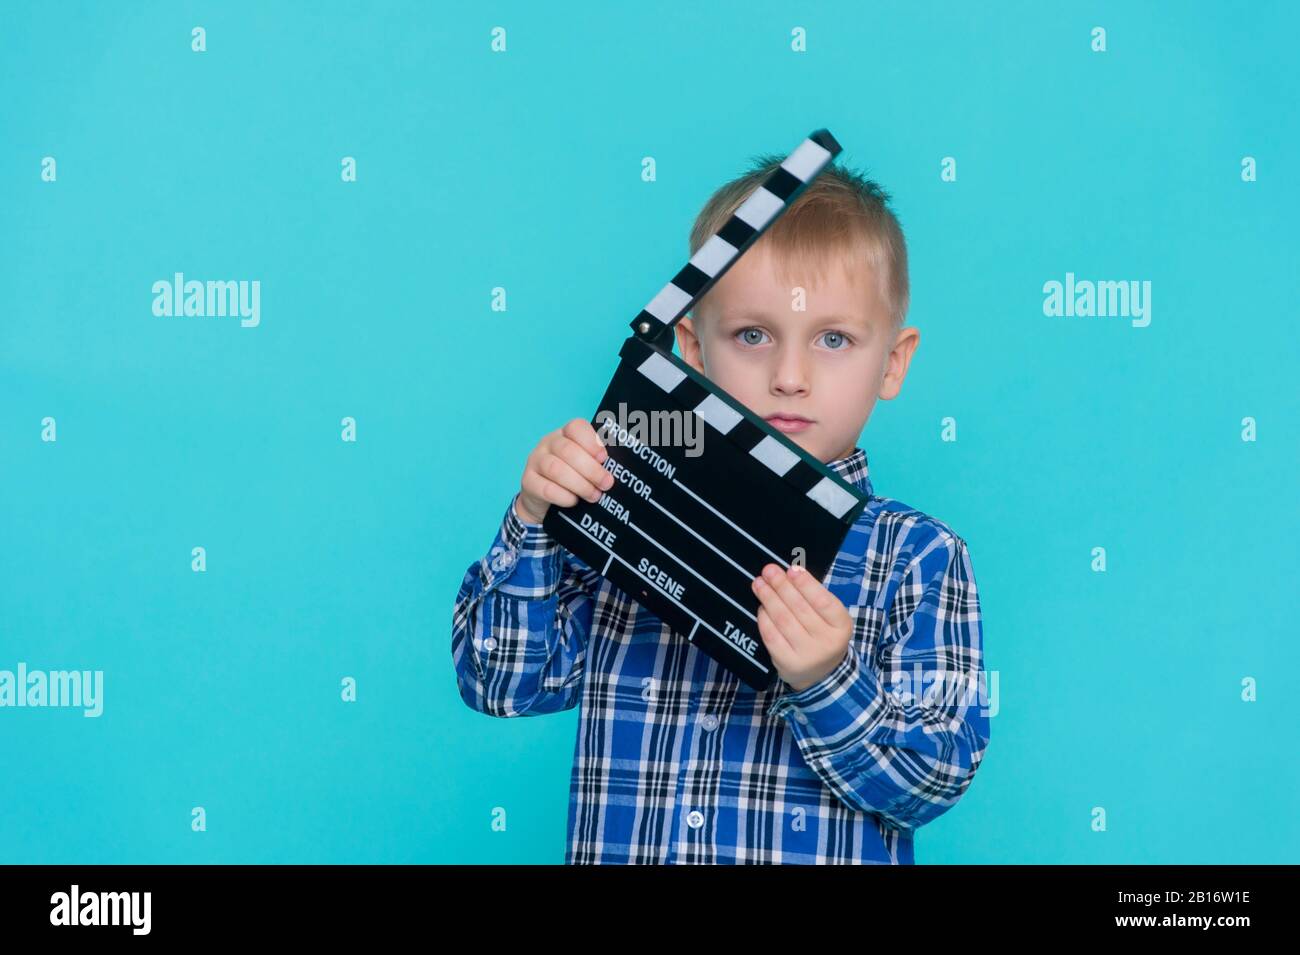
874,727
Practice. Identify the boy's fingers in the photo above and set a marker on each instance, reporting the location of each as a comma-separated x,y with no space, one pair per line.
780,615
556,469
794,598
578,458
824,603
548,491
580,431
778,647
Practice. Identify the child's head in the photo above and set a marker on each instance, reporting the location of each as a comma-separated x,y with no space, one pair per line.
808,322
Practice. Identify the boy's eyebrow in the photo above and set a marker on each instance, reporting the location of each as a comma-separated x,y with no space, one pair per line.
752,315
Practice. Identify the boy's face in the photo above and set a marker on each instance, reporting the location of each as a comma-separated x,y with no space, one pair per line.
826,365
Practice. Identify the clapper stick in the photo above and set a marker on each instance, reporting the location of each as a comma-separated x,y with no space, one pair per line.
685,529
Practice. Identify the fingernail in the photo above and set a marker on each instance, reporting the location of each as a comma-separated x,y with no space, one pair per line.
796,568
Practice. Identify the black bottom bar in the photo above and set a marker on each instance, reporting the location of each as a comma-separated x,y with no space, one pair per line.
342,903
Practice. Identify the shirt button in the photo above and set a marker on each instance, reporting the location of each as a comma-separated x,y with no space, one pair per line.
710,722
801,716
695,819
505,560
490,643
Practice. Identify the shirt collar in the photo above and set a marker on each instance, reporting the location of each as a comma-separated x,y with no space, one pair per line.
853,468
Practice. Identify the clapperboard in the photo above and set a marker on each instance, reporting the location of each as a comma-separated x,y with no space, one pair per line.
685,530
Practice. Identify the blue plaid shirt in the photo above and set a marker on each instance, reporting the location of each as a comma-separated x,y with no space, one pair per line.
678,761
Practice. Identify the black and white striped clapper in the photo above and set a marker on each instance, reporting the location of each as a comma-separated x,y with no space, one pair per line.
705,491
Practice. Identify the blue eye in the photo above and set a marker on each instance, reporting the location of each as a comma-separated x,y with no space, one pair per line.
746,331
837,335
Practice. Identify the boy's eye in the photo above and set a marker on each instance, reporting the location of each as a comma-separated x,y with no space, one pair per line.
837,341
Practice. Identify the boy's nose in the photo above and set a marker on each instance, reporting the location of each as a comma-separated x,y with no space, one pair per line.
791,373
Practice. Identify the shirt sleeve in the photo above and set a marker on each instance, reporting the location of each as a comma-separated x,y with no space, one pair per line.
909,754
520,624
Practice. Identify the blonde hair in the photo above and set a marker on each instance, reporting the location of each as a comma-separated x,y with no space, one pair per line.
841,213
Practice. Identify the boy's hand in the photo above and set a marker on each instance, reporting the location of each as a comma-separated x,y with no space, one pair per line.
804,626
565,465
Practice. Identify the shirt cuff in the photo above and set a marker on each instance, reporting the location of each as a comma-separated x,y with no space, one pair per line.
847,702
525,537
525,549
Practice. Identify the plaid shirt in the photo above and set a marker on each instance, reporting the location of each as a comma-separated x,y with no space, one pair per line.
678,761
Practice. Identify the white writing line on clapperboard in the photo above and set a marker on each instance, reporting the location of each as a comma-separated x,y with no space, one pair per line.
776,557
698,620
610,427
747,575
600,533
625,475
642,532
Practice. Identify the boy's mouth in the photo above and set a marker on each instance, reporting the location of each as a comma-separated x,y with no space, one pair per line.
789,423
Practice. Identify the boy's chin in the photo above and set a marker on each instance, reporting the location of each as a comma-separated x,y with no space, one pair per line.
809,444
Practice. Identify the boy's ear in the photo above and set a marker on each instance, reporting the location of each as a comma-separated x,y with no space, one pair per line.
897,362
688,343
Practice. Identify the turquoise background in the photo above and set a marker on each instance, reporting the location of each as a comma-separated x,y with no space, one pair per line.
523,170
